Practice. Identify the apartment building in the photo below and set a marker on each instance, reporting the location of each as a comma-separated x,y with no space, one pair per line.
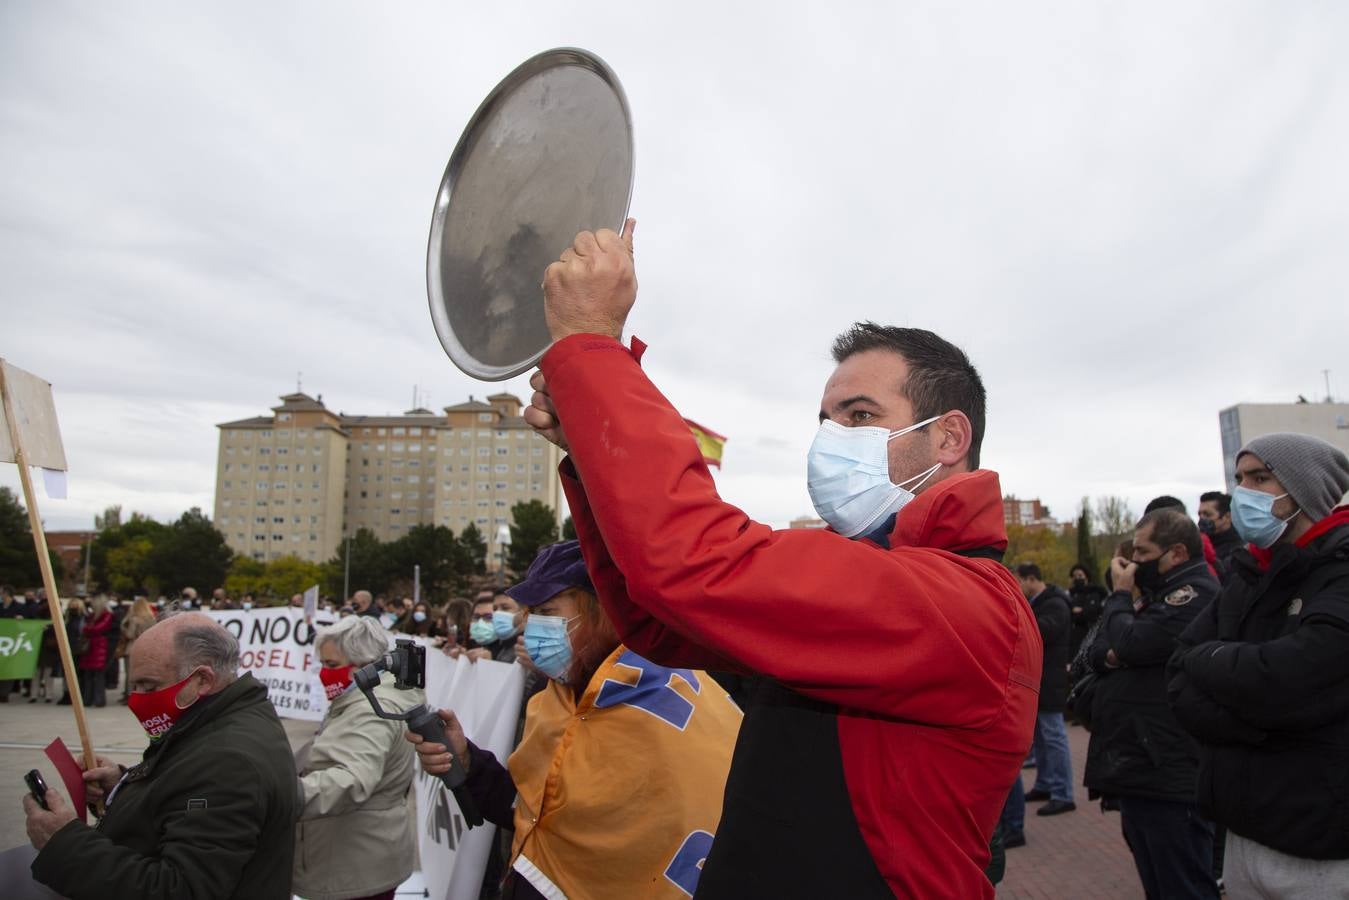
298,481
1241,423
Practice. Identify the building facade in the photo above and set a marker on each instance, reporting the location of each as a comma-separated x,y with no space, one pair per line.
299,481
1239,424
1026,513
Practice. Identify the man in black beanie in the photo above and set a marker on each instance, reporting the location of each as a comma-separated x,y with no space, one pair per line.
1262,676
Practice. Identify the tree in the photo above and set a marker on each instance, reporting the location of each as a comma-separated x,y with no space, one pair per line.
191,552
568,529
18,556
372,567
111,518
474,547
246,576
289,575
1086,551
1114,523
534,526
120,558
434,548
1049,549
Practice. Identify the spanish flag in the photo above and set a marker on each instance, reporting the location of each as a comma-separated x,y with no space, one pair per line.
709,442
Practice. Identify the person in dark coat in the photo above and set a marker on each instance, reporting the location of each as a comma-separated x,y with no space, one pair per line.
209,813
1054,764
1261,678
1215,520
1139,755
1086,600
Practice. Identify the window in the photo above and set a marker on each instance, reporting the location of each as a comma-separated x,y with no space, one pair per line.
285,433
537,467
484,434
484,467
379,448
227,485
414,448
414,479
281,451
484,417
229,451
413,495
396,464
278,520
521,435
397,479
414,463
379,433
224,503
399,432
282,467
537,451
395,510
396,495
503,451
501,486
465,451
278,537
397,448
283,417
502,467
519,469
365,431
244,467
262,485
266,432
315,468
463,468
414,432
259,537
264,467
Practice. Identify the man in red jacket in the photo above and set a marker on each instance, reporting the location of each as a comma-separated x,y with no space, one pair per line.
879,742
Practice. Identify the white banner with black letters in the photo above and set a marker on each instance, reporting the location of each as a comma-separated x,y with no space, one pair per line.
277,646
486,698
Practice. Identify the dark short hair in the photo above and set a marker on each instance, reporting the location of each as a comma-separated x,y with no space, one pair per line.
1165,501
1170,527
1223,501
941,377
1029,570
1080,568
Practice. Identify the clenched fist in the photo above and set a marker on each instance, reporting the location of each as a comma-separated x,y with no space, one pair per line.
591,288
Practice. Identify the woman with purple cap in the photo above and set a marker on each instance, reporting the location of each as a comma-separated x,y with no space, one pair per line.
611,733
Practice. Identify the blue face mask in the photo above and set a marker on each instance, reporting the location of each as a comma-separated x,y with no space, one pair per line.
419,616
848,476
1253,517
503,623
548,646
482,631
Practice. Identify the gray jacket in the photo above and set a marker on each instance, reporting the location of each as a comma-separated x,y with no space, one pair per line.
356,833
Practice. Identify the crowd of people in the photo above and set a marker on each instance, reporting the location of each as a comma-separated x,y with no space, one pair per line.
892,674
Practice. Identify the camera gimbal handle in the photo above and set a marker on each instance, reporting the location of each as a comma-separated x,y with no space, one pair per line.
424,721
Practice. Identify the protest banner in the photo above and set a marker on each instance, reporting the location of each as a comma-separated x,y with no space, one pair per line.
277,646
19,643
486,698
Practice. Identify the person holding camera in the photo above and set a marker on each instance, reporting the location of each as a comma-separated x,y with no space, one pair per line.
616,789
355,836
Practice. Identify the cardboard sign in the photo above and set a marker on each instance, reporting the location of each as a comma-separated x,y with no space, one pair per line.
35,415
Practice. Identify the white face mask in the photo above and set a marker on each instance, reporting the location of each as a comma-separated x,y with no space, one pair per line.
848,476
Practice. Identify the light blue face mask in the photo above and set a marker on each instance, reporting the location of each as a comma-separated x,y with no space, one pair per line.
503,623
848,476
548,646
482,631
1253,517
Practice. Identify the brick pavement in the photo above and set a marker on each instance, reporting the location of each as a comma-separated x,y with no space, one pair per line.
1075,855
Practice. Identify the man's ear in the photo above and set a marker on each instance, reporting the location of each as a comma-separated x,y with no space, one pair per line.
955,436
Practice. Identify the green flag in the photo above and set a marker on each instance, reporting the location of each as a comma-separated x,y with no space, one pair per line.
19,643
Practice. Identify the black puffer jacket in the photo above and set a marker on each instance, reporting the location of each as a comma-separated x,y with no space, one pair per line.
1138,749
208,813
1052,615
1262,680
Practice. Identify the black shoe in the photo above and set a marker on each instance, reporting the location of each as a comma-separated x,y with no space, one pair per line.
1036,796
1014,839
1054,807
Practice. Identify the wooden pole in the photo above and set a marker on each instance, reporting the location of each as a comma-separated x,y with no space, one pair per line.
48,577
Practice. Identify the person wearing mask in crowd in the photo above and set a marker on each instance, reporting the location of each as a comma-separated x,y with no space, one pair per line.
354,838
1053,758
364,604
11,607
417,621
1261,678
1139,756
93,661
76,613
610,732
1086,600
187,599
113,669
48,666
931,663
296,601
137,622
1166,501
1215,521
506,619
209,812
458,614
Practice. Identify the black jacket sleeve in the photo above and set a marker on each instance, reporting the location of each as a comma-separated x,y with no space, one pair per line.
201,854
1147,638
491,787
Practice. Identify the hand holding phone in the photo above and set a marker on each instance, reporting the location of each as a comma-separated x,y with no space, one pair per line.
37,787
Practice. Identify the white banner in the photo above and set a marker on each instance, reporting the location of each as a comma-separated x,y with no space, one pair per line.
277,646
486,698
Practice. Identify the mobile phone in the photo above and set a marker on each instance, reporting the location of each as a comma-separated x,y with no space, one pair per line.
37,787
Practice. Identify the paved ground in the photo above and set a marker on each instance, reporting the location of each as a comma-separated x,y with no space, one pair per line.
1075,855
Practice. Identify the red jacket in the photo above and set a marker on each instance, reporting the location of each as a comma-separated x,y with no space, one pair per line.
923,661
96,630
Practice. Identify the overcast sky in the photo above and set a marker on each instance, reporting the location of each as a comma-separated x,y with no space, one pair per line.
1130,215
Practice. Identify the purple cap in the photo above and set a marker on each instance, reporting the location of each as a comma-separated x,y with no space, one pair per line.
556,568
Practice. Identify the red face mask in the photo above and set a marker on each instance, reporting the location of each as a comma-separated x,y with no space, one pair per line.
335,681
158,710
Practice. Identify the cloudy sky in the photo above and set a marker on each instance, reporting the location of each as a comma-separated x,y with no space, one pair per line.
1130,215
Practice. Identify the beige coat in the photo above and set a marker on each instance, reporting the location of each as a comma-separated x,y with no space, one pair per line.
356,835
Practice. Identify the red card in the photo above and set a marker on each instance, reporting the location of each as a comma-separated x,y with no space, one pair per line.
71,774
